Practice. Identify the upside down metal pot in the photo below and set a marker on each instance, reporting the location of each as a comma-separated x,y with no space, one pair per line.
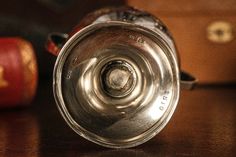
117,77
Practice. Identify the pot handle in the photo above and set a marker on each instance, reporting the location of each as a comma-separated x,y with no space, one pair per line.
55,41
187,81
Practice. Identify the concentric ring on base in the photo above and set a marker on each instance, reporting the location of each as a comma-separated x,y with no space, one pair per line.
107,121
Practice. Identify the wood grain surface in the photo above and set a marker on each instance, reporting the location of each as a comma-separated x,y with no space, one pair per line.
204,124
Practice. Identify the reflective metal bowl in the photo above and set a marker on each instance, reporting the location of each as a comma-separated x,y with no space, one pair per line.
117,77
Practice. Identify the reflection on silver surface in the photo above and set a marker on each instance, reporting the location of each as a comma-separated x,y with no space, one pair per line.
118,152
116,81
19,134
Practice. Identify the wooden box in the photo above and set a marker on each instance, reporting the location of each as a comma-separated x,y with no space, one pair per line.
205,34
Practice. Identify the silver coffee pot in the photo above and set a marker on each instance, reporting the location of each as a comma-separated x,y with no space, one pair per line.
117,76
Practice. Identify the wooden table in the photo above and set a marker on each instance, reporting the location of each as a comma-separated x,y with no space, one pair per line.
204,124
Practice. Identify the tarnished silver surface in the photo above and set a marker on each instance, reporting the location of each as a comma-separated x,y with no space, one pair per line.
116,81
